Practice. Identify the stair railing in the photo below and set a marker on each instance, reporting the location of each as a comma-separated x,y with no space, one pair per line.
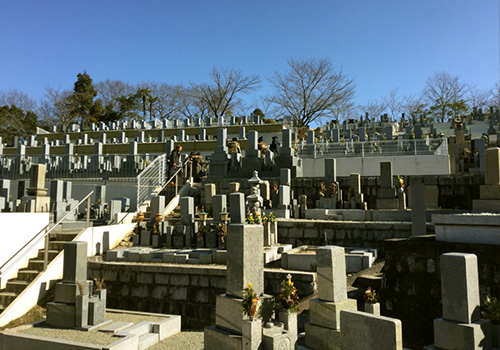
42,234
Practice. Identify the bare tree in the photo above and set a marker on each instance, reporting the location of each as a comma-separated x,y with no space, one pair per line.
189,102
413,104
110,90
165,95
55,108
476,97
310,88
495,96
374,108
393,103
18,99
444,94
220,95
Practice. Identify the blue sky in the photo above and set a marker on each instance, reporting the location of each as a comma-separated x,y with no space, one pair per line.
382,44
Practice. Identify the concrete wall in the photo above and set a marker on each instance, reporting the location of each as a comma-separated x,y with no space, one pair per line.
16,230
180,290
370,166
411,290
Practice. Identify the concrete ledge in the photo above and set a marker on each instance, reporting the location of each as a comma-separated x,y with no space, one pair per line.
327,313
318,337
453,335
16,341
216,338
168,327
126,343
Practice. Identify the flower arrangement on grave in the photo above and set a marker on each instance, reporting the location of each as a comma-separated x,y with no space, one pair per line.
412,136
275,187
271,218
401,184
99,201
492,310
330,139
253,217
370,296
220,229
137,228
333,189
288,296
322,189
250,304
99,283
202,232
156,229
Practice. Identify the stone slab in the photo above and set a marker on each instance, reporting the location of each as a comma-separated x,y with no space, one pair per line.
228,313
216,338
360,330
116,327
140,328
460,287
321,338
470,228
330,266
327,313
461,336
169,326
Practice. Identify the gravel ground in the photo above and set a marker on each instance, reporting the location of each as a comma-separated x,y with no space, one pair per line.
184,340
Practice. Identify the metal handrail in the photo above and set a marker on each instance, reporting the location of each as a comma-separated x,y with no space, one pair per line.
173,176
46,236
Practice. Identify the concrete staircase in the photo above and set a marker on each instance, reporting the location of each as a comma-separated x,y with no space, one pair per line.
26,275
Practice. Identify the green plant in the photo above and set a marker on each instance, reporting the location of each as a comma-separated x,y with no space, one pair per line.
322,189
492,310
271,218
288,297
370,296
333,189
250,304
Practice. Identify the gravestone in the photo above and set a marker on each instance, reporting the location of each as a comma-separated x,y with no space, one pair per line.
387,193
489,193
461,326
219,165
74,306
36,199
323,332
418,220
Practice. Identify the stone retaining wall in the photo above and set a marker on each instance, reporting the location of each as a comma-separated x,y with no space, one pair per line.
178,289
366,234
411,290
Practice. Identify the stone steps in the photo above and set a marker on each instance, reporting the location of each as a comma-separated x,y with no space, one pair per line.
16,286
25,276
7,297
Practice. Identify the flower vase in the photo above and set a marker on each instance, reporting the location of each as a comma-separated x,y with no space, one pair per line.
289,320
373,309
101,294
222,243
200,242
251,331
155,241
267,235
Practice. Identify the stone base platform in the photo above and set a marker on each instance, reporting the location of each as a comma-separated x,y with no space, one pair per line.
139,331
